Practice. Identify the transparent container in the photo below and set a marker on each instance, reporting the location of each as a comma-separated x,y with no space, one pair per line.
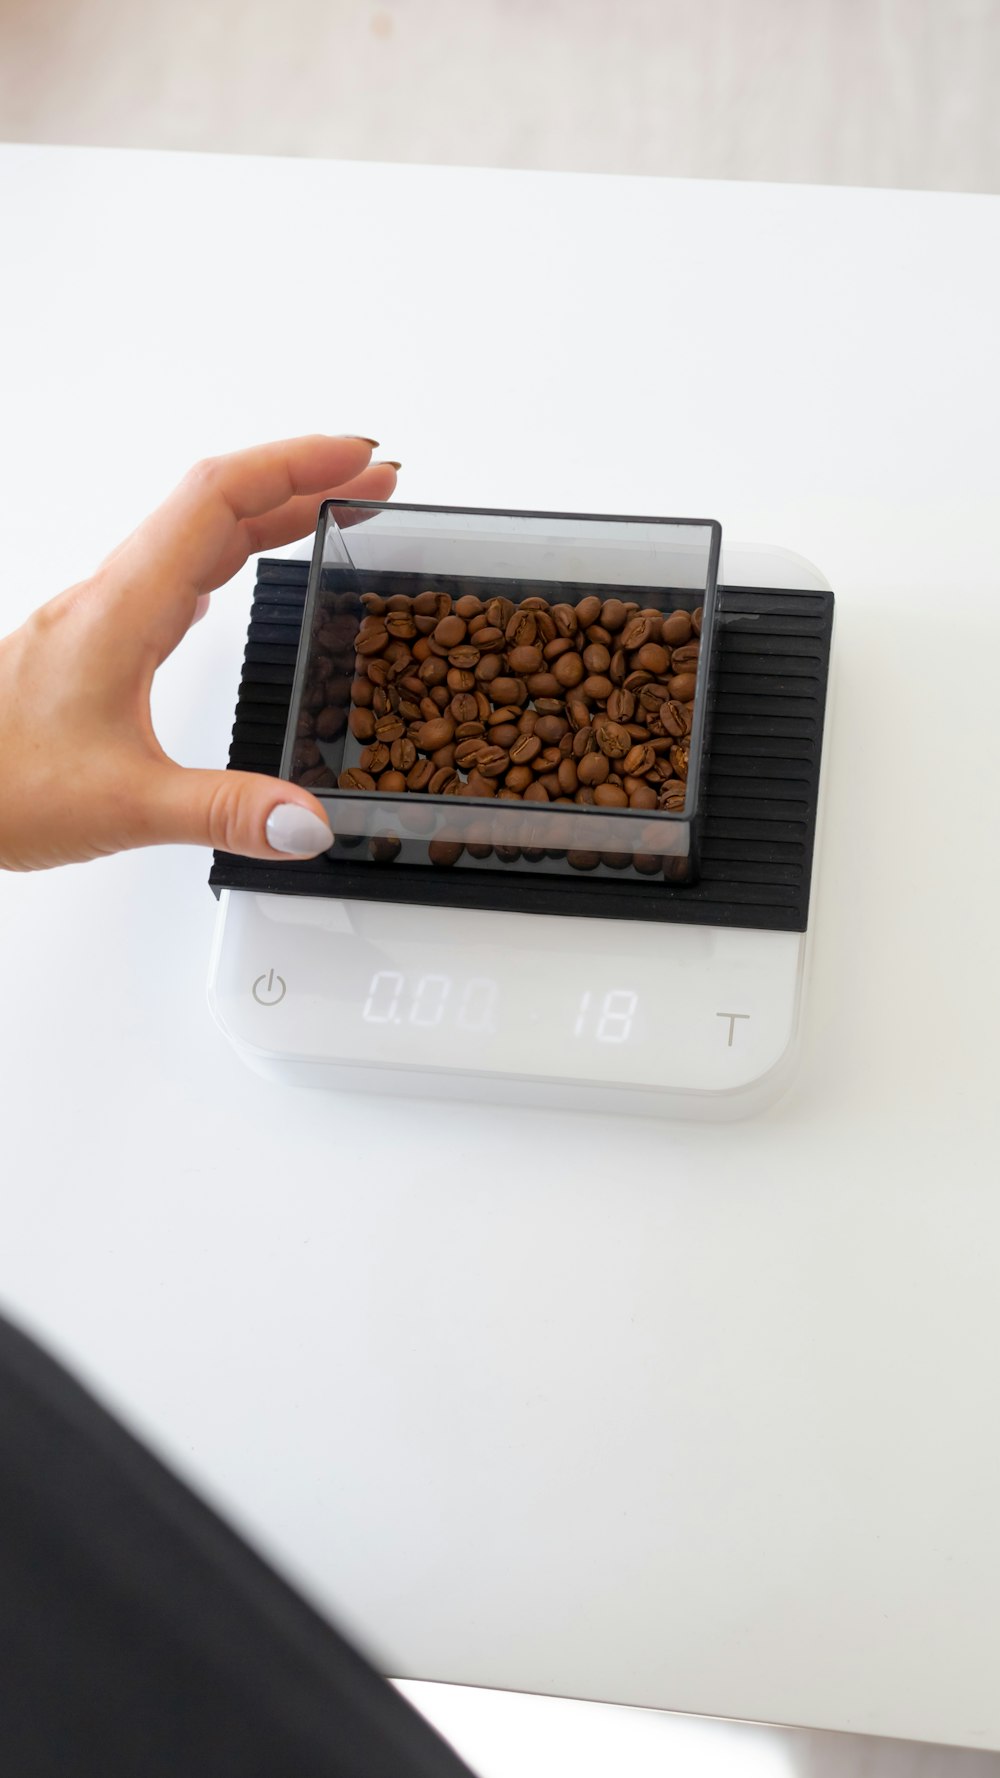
382,579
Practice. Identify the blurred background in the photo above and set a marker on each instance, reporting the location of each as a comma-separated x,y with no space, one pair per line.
856,92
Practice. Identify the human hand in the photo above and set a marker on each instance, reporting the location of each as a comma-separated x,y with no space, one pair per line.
83,772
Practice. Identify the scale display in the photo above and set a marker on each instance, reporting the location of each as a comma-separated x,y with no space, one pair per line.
353,985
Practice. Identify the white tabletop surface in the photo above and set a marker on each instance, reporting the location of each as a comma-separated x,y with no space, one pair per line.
699,1417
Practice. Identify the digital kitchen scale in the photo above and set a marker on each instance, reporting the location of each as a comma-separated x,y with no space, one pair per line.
580,956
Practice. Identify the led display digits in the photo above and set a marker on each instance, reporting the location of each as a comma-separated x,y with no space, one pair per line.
472,1006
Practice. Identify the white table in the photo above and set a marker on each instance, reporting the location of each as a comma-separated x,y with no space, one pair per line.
697,1417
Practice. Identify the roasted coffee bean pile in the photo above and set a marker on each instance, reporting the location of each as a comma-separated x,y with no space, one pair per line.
582,703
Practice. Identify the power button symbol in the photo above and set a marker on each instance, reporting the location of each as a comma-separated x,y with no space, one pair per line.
269,989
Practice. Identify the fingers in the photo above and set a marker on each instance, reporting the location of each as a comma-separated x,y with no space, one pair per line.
298,516
198,538
239,812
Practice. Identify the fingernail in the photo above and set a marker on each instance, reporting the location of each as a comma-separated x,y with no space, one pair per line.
368,441
297,831
387,463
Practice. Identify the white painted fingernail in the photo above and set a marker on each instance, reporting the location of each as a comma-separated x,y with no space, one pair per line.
297,831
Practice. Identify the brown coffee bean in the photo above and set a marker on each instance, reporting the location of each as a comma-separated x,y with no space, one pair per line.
506,795
565,619
642,797
600,637
553,651
504,735
492,762
525,749
392,781
459,679
372,642
463,707
383,848
597,687
527,722
466,730
421,775
478,849
581,860
361,724
551,729
466,658
612,738
621,705
614,615
375,758
685,660
519,777
362,692
306,725
488,668
403,755
592,769
489,639
509,691
445,852
467,752
355,779
499,612
543,686
536,793
390,728
468,606
676,629
647,863
672,795
307,754
521,629
449,632
696,620
431,735
584,741
585,795
587,611
372,602
676,718
433,671
443,779
652,658
682,687
596,658
480,786
680,755
443,756
525,660
638,761
637,631
569,670
400,624
610,796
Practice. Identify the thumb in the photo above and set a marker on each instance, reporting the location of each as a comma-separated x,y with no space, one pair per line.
240,812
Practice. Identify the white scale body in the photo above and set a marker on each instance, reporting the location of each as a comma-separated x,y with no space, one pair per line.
535,1009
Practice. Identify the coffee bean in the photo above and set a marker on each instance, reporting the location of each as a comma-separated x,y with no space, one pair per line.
421,775
553,651
673,795
504,735
682,687
519,777
676,718
679,759
588,611
492,762
383,848
652,658
389,728
433,672
647,863
463,707
468,606
445,852
613,615
489,666
375,758
580,860
449,632
400,624
597,687
506,690
489,638
551,729
610,796
696,620
596,658
499,612
638,761
569,670
542,686
508,854
579,715
637,631
685,660
459,679
444,756
443,779
642,797
392,781
536,793
676,629
525,749
355,779
593,769
373,642
435,734
467,752
480,786
568,777
523,660
621,705
521,629
465,658
612,738
361,724
565,619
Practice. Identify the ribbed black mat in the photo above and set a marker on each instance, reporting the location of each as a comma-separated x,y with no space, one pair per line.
762,785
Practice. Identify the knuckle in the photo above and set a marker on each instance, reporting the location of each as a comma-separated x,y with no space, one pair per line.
231,816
